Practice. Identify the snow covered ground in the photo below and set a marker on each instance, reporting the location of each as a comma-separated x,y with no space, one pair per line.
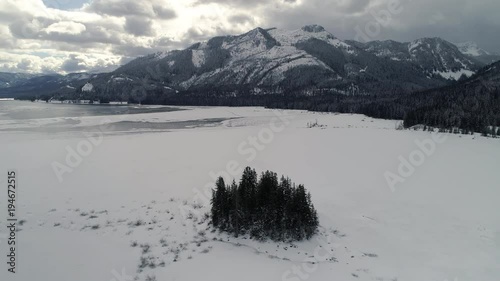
130,204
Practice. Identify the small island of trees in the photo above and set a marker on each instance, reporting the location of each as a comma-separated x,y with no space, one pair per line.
264,208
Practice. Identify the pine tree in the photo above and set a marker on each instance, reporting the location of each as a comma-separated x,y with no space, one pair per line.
235,213
218,203
248,189
264,208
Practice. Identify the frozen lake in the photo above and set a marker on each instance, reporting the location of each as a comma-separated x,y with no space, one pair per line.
20,110
46,118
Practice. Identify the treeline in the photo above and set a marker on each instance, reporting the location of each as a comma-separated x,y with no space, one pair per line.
467,107
264,208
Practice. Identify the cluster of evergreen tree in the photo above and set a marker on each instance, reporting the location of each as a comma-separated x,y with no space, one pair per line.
264,208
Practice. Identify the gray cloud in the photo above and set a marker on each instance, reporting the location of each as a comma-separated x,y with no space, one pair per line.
36,28
241,19
355,6
246,3
454,20
164,13
129,28
119,8
235,3
139,26
24,64
29,27
73,64
133,51
78,64
457,21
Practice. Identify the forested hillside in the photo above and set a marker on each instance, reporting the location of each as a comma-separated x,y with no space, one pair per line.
472,105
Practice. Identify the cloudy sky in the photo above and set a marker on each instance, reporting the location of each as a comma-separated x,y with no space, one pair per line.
47,36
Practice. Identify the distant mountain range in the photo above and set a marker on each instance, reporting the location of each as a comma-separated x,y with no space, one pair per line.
473,50
10,80
299,62
19,85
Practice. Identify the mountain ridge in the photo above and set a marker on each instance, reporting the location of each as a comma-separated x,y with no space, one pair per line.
275,61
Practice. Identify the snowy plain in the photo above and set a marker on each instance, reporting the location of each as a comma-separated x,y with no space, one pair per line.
133,207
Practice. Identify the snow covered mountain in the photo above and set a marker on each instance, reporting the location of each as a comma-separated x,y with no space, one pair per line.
473,50
300,62
12,79
435,56
259,58
18,84
306,60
